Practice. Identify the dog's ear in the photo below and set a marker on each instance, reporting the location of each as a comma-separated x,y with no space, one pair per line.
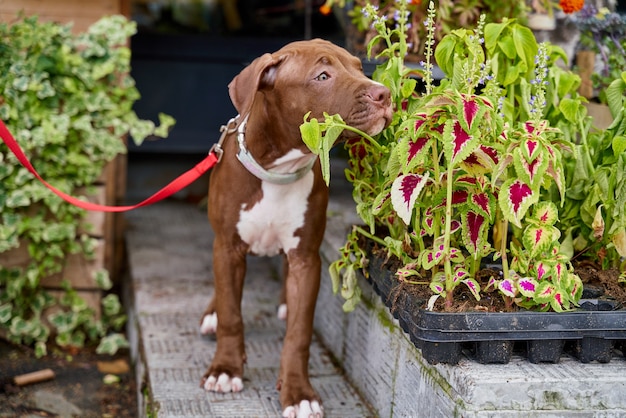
260,73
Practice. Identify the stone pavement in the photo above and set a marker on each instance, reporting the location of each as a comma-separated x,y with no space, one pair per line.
169,248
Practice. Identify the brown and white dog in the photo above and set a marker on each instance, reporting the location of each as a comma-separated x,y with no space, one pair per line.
267,197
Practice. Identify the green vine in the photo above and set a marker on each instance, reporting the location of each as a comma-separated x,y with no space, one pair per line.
68,101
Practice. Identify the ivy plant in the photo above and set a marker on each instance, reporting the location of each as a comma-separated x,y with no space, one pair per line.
68,100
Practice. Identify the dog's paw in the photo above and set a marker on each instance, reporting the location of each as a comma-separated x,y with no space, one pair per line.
306,409
209,324
223,384
282,312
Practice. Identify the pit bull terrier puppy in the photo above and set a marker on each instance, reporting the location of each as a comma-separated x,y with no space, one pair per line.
267,197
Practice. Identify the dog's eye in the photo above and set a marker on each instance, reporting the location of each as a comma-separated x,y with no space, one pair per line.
323,76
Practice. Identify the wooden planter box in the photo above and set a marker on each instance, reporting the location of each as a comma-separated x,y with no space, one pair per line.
106,227
81,12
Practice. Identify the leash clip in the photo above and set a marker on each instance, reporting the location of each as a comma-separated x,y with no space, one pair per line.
229,128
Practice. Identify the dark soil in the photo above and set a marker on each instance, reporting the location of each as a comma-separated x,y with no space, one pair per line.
78,388
598,284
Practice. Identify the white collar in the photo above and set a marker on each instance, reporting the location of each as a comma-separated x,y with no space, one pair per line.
257,170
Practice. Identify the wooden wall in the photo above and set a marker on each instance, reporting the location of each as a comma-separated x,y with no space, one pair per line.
81,12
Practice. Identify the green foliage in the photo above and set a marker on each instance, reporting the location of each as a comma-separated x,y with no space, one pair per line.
449,15
475,155
594,211
68,101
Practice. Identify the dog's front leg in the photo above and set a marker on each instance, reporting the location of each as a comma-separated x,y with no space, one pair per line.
226,371
302,286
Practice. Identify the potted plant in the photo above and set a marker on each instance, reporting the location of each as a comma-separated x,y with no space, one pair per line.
601,56
471,170
541,14
449,15
68,100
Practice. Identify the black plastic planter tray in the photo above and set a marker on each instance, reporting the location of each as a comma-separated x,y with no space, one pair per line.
592,332
544,332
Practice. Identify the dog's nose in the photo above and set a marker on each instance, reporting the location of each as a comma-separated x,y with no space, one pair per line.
379,94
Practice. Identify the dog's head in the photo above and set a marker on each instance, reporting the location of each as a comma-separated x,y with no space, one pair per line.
313,76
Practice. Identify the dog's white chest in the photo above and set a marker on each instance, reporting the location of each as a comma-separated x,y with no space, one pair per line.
270,225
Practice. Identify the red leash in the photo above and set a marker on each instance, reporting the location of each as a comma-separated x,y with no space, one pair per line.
176,185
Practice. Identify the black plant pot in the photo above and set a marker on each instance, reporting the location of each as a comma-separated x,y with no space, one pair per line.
596,328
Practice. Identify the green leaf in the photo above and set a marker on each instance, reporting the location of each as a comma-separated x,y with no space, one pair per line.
311,134
615,96
335,276
5,313
40,349
619,145
111,344
111,305
102,279
166,122
571,109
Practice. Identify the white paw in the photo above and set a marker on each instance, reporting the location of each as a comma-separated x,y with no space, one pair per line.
282,312
209,324
223,384
306,409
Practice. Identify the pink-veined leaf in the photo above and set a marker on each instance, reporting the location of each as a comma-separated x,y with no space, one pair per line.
529,127
437,288
537,239
428,221
546,213
456,256
515,198
379,202
466,180
507,287
470,111
493,282
460,273
530,148
487,152
416,147
527,286
431,258
530,171
543,270
560,272
419,122
406,271
457,143
558,301
404,192
473,287
576,290
454,226
484,159
459,197
545,292
483,204
474,232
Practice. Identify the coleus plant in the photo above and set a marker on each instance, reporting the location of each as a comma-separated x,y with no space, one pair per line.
470,155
